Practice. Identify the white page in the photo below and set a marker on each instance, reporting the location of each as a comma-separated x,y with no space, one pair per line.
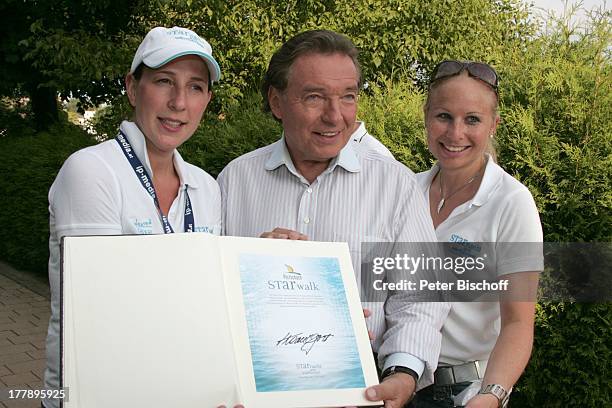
148,315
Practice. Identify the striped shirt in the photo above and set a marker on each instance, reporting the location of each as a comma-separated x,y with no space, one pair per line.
361,197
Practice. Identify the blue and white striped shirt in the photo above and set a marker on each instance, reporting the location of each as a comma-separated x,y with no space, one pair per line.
361,197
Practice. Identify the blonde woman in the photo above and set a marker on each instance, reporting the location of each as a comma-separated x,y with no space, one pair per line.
472,199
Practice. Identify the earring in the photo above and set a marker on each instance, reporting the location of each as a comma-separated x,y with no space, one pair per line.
491,136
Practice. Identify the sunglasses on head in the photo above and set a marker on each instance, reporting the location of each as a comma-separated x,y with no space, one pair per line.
478,70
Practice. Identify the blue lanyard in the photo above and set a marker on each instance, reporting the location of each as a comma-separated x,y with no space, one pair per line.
147,184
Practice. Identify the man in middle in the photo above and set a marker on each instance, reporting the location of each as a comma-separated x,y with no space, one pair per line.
315,184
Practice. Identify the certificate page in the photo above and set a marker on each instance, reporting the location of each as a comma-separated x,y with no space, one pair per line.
297,323
300,330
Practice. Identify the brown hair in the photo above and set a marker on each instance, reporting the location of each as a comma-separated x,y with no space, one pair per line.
137,74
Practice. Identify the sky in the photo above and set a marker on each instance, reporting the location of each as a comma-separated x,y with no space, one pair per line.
557,6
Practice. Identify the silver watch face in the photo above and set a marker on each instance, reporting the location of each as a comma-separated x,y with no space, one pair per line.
496,390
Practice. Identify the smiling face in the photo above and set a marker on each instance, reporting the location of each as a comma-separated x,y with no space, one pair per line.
169,102
318,107
460,116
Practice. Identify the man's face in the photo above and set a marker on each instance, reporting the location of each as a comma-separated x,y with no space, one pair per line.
318,107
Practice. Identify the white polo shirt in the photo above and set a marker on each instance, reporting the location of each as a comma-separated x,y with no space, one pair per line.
98,193
502,210
365,141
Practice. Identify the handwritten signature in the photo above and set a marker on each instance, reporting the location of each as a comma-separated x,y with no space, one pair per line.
306,340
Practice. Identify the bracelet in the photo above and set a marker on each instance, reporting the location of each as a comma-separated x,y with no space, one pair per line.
497,391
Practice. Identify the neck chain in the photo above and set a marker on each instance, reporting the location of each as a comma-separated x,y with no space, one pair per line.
443,199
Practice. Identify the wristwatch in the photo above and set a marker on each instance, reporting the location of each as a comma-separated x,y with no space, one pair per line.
400,369
496,390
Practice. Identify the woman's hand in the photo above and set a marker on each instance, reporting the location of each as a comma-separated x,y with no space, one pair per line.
483,401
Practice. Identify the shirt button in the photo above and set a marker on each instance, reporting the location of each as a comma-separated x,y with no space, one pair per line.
306,220
309,190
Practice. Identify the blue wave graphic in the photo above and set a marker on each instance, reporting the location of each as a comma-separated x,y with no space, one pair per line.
273,311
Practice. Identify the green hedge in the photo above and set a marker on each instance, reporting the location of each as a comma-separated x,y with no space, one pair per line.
570,363
219,139
29,163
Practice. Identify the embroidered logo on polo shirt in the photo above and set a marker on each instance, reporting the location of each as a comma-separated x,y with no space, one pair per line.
205,228
457,238
463,247
143,226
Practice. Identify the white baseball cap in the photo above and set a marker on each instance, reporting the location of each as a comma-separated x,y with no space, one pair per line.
162,45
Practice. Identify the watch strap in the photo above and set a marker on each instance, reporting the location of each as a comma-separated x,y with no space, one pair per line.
400,369
496,390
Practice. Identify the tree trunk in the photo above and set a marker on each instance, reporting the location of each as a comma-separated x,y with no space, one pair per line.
44,106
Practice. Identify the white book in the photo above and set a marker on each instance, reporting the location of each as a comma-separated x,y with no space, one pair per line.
196,321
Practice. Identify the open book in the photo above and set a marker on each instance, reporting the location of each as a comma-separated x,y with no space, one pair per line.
195,320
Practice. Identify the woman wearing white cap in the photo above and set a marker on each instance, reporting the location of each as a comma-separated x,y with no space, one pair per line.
138,183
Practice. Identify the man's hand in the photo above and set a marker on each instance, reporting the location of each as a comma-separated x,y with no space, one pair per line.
395,390
483,401
284,233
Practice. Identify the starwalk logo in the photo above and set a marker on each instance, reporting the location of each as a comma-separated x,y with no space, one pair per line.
291,281
291,274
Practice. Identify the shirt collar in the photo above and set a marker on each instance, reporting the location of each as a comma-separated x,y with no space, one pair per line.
490,181
137,139
279,156
359,133
491,178
347,159
425,180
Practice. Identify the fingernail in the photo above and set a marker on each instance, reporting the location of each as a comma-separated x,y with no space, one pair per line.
371,393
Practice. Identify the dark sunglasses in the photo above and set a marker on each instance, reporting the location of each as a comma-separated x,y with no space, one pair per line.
478,70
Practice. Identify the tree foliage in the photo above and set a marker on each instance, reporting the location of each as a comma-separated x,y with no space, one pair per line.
83,48
556,133
74,47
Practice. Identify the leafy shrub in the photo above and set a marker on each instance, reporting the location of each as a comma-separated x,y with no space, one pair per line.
14,118
556,135
393,113
107,119
221,138
28,166
570,364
